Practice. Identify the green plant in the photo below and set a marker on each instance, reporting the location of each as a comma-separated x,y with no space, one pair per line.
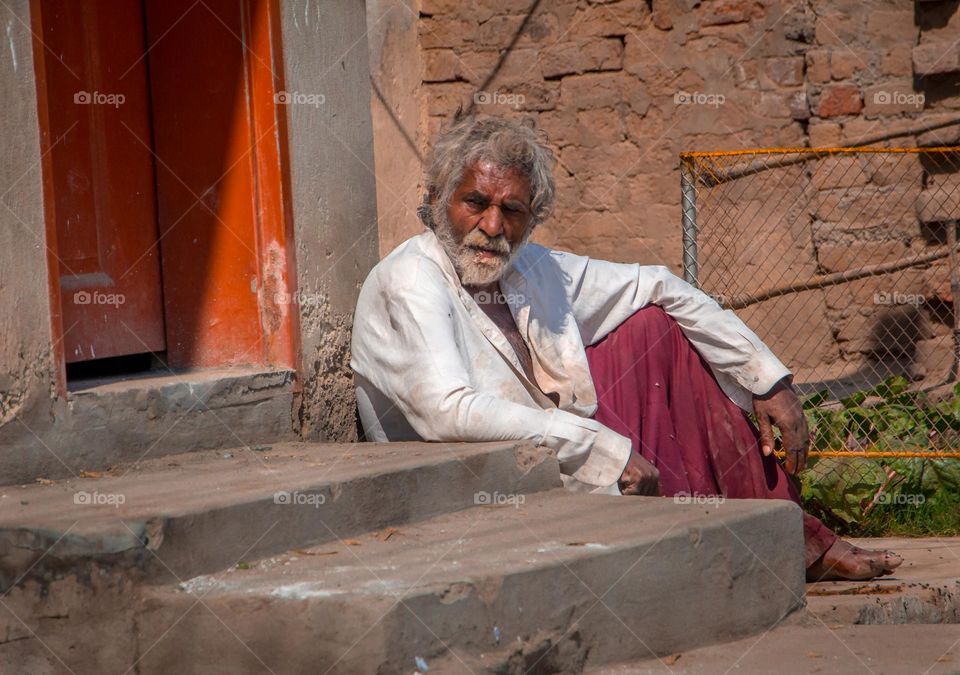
863,495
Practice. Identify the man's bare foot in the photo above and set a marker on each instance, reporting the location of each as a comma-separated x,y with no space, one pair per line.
843,560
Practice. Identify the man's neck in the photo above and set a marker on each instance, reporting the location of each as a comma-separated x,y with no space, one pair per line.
486,294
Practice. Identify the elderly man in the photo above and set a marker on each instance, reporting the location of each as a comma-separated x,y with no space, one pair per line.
635,378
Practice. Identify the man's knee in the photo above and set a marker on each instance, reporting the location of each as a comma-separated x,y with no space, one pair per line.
652,320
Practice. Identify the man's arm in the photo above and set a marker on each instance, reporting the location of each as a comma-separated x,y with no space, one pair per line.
603,295
404,344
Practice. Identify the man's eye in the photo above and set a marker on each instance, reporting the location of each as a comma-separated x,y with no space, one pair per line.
475,201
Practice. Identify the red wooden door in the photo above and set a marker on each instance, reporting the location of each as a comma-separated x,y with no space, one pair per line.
101,188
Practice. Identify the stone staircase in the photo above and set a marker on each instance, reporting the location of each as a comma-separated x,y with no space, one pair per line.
394,558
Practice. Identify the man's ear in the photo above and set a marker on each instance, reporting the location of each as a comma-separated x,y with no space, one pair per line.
425,210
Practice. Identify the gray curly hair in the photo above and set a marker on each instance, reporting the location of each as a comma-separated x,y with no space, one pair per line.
505,143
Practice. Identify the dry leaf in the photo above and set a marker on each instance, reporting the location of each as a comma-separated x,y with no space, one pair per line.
386,534
91,474
352,542
45,481
670,660
302,551
813,655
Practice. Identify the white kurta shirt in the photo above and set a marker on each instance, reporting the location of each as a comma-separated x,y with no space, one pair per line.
430,365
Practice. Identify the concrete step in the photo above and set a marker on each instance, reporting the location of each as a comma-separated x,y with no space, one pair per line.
546,582
815,650
924,590
183,515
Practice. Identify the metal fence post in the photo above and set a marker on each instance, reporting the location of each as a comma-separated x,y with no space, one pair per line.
688,203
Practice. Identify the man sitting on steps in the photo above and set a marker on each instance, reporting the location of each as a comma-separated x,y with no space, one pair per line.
638,380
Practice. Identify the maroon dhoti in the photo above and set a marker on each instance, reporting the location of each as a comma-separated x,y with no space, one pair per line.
655,388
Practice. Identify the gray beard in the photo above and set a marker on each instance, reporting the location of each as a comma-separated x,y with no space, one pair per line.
471,268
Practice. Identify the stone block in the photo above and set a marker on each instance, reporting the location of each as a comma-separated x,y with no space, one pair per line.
785,72
846,257
824,134
595,90
795,328
845,63
447,32
440,65
891,26
579,56
618,19
897,61
839,99
818,66
444,98
839,28
723,12
936,58
936,205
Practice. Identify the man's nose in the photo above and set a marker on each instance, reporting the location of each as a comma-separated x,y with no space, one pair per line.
491,222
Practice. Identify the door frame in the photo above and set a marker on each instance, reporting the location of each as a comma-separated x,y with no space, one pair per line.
263,63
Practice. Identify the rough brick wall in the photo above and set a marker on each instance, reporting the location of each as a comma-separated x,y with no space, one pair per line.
620,88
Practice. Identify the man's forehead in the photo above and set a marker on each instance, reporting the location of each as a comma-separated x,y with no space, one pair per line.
487,173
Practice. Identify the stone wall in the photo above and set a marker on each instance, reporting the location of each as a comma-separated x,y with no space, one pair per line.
619,88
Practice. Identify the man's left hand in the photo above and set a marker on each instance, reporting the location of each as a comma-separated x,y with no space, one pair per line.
780,407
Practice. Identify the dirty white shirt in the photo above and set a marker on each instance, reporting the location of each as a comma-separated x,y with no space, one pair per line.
430,365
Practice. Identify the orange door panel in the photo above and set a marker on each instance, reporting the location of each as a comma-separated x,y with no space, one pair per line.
205,185
96,143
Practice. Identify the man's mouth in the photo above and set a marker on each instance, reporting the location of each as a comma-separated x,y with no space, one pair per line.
487,253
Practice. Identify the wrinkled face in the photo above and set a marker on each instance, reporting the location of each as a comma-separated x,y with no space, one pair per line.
487,222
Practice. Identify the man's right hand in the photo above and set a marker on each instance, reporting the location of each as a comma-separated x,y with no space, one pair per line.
640,477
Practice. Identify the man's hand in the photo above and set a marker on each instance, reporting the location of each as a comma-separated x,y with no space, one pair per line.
780,407
640,477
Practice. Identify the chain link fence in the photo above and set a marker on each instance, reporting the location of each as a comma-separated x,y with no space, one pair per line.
845,262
